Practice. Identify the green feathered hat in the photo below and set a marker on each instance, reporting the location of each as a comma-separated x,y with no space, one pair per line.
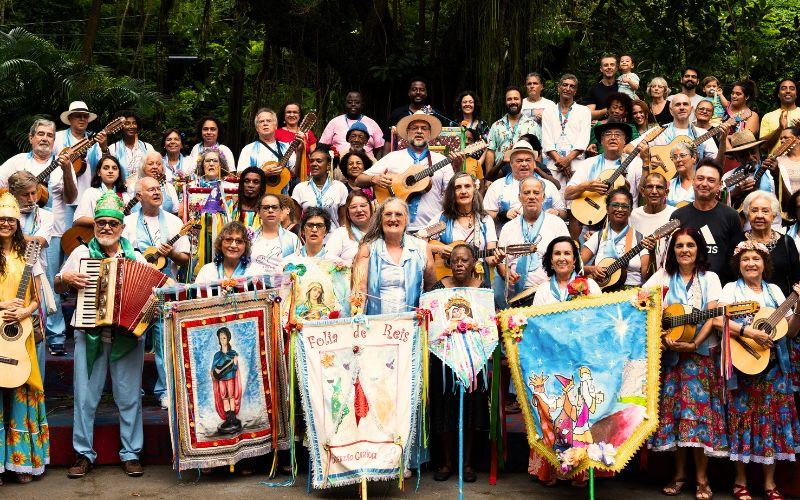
109,205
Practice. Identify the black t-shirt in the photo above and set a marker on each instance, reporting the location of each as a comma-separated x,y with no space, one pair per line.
722,230
598,93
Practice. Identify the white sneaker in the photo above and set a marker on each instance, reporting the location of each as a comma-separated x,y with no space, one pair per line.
164,403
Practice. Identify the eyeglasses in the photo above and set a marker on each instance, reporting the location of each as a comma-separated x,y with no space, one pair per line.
113,224
211,160
616,135
703,110
657,187
423,128
315,225
270,208
80,116
621,206
232,241
681,156
7,221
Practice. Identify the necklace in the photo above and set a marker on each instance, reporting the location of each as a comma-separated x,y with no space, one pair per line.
769,243
471,218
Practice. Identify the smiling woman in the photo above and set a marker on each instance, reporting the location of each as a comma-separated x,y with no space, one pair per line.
321,190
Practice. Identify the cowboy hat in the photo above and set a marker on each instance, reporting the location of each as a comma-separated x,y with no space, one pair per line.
77,107
611,123
402,125
742,140
520,147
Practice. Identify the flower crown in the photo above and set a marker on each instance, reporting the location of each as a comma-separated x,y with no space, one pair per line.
749,245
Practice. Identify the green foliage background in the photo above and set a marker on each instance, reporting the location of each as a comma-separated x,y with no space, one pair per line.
239,55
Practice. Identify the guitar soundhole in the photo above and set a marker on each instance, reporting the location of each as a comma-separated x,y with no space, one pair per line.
410,181
273,180
763,326
11,331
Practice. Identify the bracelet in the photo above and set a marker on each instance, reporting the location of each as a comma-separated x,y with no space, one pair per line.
741,330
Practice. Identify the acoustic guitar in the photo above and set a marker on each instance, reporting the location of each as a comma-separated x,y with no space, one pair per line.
276,182
154,257
729,182
80,234
759,172
417,178
663,154
590,207
15,365
431,231
679,322
616,268
441,264
746,354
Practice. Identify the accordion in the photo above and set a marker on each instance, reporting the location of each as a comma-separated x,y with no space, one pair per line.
125,294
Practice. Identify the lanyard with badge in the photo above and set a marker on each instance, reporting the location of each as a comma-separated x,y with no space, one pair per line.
563,145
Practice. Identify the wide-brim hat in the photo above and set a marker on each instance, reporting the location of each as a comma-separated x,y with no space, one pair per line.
9,206
402,125
610,124
77,107
520,147
742,140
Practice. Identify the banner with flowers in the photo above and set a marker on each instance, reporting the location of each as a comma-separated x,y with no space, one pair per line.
463,329
589,368
322,288
360,380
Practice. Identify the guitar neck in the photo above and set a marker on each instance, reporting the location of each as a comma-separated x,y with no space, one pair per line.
782,309
175,238
284,161
23,284
129,206
695,317
708,135
623,167
44,175
624,259
431,170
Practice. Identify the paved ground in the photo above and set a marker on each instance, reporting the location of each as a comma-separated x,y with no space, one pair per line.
160,482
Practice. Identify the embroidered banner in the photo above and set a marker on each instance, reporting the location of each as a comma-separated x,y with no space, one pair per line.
360,384
226,378
322,289
590,372
463,329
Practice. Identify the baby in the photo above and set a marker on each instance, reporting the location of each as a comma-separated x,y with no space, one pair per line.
713,91
627,81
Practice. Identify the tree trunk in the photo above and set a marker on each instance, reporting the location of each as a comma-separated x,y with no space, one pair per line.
237,63
419,40
87,49
205,31
161,49
437,6
263,72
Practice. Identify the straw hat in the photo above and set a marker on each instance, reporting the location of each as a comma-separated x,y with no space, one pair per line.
9,206
77,107
402,125
742,140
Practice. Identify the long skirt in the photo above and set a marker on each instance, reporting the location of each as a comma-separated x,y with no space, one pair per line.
691,410
24,435
762,418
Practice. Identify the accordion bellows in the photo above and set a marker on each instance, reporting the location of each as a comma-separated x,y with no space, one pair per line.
124,291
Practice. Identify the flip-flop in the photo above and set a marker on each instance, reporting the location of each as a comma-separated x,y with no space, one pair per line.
674,488
703,492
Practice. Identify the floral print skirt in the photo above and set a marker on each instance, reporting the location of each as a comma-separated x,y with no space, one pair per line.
24,435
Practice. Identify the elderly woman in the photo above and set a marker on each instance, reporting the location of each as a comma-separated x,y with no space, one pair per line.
344,240
681,187
153,166
658,90
232,255
691,403
762,418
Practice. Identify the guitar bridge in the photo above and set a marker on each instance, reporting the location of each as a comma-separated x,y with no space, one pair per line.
591,202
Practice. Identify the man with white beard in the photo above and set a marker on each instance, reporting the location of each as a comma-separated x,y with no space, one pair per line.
417,129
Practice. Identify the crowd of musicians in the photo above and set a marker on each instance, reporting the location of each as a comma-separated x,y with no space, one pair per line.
558,190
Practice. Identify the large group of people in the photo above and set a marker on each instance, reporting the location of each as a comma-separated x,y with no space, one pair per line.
708,160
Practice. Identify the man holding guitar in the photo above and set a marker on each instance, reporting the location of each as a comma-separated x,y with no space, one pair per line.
418,130
267,149
152,226
63,190
78,117
745,151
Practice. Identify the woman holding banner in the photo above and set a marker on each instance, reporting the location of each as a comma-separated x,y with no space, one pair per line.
691,412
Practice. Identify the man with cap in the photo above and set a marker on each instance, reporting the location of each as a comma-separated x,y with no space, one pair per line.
98,350
78,117
62,187
502,197
744,149
357,137
418,130
337,131
613,136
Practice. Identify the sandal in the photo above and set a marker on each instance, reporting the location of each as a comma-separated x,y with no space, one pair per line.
703,492
23,478
773,494
740,492
674,488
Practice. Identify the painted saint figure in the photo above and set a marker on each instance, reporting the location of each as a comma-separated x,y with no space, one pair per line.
314,307
227,387
588,399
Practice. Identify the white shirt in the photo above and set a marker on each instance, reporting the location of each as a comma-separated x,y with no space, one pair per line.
256,154
646,224
507,190
529,107
131,159
333,197
511,234
660,278
266,255
732,293
575,136
174,225
430,203
26,161
73,263
89,201
64,138
340,245
223,149
581,169
209,272
40,223
634,269
543,295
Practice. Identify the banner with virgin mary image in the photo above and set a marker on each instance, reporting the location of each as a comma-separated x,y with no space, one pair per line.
360,381
462,331
589,368
322,288
226,378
